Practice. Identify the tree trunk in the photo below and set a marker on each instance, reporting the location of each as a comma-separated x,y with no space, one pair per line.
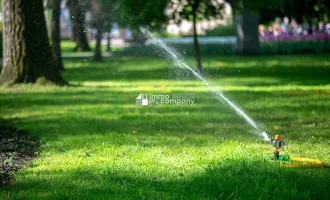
109,41
56,38
247,33
70,4
27,56
78,26
97,52
196,45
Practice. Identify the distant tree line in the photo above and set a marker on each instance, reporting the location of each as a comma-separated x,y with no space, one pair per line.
29,56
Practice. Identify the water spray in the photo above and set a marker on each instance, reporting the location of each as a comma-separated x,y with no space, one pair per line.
174,56
277,142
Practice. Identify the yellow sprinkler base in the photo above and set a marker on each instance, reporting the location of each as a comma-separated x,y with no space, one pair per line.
315,163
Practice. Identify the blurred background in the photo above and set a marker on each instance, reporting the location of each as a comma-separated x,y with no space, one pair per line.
219,26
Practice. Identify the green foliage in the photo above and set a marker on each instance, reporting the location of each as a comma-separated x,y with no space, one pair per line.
267,48
102,12
97,144
301,10
134,13
289,47
205,50
253,5
187,9
226,30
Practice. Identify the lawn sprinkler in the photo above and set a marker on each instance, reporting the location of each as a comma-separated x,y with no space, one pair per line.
277,144
312,163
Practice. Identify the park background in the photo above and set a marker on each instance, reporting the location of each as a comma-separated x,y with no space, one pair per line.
72,69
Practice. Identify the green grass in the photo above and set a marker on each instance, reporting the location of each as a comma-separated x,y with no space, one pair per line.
97,144
68,46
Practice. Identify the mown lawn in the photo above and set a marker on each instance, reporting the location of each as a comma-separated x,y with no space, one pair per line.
97,144
68,46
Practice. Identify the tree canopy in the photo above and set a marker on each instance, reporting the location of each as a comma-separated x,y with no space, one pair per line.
136,13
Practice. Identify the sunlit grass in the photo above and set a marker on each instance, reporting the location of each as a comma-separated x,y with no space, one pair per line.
97,144
67,47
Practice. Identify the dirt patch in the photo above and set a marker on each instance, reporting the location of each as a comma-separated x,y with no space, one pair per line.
17,149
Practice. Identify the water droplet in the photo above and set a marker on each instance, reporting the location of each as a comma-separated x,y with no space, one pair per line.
217,93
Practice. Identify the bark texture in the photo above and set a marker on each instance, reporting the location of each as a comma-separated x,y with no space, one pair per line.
55,34
247,33
27,56
109,41
97,53
196,45
78,26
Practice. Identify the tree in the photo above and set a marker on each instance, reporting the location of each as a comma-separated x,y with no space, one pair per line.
98,51
27,56
246,14
78,10
247,33
195,10
108,40
299,9
102,18
136,13
132,13
55,34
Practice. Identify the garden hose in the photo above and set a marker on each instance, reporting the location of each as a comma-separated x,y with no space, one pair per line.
315,163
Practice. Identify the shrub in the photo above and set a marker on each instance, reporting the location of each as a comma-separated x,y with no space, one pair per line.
266,47
292,47
227,30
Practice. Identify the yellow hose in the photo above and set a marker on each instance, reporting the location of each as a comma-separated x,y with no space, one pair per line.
317,163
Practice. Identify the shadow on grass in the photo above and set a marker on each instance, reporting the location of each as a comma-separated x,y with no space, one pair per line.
110,73
77,120
58,115
221,179
302,75
129,68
